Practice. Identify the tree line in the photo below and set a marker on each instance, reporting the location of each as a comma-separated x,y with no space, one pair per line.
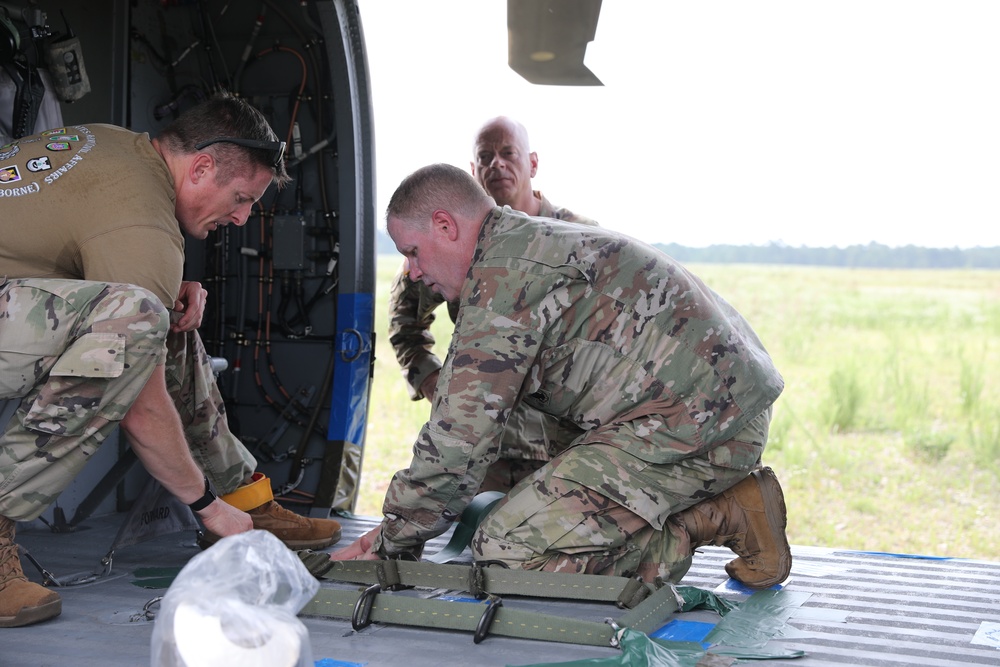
873,255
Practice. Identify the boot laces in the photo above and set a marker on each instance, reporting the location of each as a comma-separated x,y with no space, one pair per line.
274,512
10,564
734,543
735,528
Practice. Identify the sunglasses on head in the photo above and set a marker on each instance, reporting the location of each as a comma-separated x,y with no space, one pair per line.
276,149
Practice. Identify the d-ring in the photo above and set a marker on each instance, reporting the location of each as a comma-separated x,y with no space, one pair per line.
348,357
362,616
493,604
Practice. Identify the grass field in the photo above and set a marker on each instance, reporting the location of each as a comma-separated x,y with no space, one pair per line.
887,436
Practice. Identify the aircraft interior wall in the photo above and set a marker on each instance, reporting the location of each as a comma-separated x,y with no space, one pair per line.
275,285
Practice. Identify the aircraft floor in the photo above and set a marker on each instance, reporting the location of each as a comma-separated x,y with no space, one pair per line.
857,609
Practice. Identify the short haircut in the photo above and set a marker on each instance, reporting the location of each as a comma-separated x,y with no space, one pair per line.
225,115
437,186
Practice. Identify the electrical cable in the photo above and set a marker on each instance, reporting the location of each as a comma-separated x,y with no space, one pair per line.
264,297
233,255
210,40
248,49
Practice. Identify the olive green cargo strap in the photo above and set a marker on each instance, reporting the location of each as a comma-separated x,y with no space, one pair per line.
376,604
626,592
650,606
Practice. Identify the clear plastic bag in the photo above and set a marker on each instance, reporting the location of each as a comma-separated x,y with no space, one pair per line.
236,604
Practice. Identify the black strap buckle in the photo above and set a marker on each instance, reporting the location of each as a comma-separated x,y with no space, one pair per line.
361,618
493,604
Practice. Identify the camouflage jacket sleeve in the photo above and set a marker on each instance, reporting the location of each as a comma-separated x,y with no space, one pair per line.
503,324
411,313
487,365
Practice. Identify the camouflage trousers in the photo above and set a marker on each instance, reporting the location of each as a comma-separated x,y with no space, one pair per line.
597,509
191,383
528,440
505,473
75,355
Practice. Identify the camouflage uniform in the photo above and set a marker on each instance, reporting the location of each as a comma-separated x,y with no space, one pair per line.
411,312
669,386
77,354
222,456
129,258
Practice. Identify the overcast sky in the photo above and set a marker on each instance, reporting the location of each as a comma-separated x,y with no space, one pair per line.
802,122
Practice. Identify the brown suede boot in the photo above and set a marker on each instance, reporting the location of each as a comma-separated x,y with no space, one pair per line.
295,530
750,519
22,602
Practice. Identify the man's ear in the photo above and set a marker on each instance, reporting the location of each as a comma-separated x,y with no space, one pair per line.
202,166
533,158
443,223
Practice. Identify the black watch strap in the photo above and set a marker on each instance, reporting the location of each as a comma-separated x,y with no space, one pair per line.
205,500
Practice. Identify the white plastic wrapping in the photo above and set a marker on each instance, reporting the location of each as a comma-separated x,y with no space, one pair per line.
236,604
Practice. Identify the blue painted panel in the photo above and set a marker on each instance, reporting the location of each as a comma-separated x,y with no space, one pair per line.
352,368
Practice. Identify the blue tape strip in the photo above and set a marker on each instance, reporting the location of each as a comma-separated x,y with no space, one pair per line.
684,631
732,587
892,555
330,662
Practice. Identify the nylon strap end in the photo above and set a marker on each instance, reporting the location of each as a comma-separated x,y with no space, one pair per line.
634,592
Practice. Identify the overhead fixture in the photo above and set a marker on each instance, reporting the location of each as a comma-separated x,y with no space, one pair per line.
547,40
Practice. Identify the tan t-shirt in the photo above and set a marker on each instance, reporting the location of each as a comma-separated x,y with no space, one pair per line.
92,202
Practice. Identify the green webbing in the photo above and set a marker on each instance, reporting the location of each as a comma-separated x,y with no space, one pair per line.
415,611
493,580
653,611
649,607
443,614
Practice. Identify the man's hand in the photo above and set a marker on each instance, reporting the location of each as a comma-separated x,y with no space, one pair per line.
361,549
429,385
191,305
223,519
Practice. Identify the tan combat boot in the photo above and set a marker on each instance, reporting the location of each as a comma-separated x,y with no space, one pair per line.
750,519
295,530
22,602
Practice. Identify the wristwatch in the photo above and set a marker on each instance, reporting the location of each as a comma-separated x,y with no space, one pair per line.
205,500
